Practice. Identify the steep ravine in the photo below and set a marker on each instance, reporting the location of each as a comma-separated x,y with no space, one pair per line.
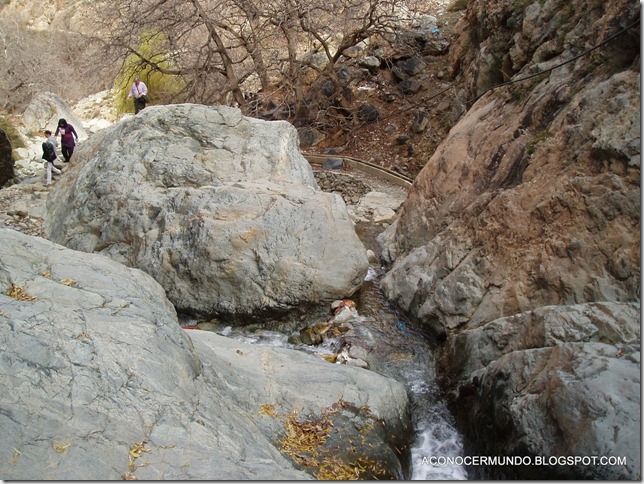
519,243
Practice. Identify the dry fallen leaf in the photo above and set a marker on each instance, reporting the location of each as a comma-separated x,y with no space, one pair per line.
268,409
18,292
61,448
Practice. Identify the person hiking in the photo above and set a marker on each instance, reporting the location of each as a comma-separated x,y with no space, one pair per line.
139,91
49,155
68,138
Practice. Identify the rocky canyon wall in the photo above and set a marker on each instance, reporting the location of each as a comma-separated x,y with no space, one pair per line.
533,202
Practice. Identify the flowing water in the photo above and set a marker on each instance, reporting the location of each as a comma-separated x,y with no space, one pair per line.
396,348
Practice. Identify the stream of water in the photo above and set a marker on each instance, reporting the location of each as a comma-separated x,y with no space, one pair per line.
397,349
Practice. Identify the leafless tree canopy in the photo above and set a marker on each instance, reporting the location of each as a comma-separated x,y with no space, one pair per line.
248,52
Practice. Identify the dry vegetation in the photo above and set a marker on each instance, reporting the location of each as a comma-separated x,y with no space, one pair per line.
273,59
308,441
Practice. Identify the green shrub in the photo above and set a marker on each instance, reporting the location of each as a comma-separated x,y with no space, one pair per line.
161,87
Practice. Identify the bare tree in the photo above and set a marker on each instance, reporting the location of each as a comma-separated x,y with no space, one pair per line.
218,47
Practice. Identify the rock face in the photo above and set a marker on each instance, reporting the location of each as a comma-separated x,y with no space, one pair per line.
530,201
533,200
556,381
220,209
45,110
6,159
99,382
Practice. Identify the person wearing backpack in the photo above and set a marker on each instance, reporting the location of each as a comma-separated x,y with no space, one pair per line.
139,91
68,138
49,155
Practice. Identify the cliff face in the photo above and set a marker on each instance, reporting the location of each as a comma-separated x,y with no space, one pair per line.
533,199
519,243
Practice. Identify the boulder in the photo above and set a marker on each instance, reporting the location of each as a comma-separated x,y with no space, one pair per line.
420,121
45,110
370,62
99,382
310,137
414,66
333,164
222,210
410,86
556,381
368,113
355,406
503,219
378,207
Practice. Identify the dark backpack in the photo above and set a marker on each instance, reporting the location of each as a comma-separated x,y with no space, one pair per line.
48,151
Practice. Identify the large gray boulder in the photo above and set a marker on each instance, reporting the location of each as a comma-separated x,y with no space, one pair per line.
222,210
99,382
556,381
45,110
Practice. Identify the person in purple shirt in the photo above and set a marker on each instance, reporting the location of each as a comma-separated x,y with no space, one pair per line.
68,138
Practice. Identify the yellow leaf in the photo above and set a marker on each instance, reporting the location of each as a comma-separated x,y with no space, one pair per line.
18,292
267,409
61,448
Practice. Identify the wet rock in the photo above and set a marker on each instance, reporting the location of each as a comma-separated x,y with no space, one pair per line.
344,315
313,335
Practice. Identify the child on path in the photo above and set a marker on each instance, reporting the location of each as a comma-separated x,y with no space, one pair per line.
49,155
